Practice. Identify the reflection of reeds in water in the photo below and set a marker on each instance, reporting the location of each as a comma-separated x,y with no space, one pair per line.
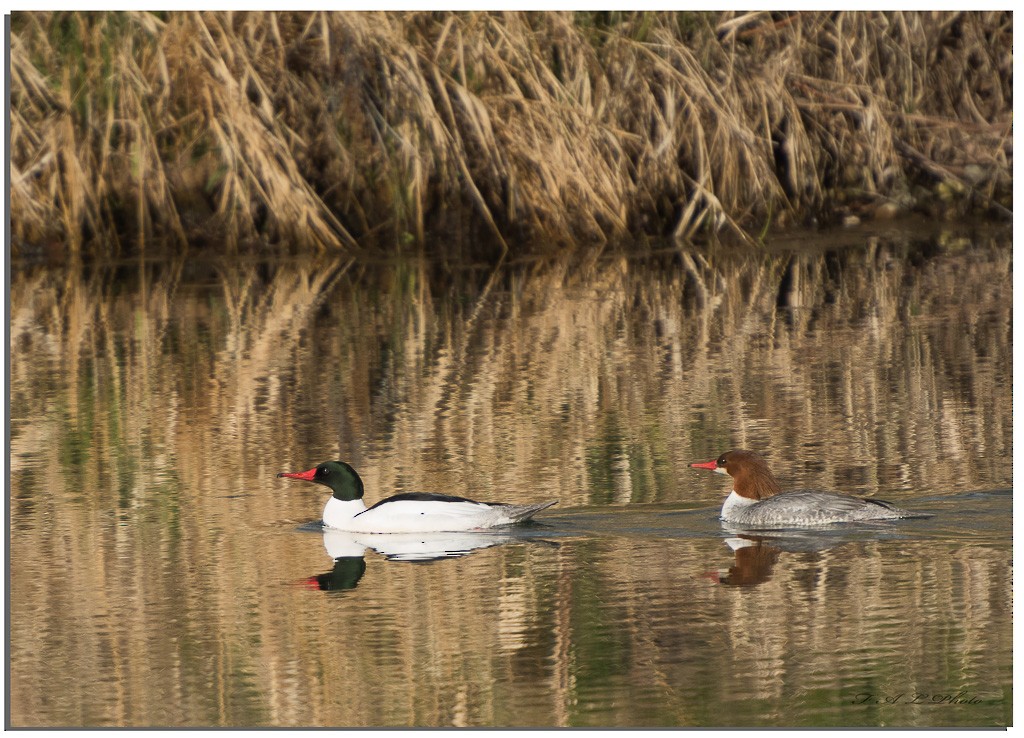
564,379
150,409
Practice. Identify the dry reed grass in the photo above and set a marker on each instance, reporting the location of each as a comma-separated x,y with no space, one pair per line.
334,130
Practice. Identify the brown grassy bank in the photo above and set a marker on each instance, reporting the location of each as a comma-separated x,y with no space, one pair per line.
348,130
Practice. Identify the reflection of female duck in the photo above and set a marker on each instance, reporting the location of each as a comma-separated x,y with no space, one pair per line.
406,513
754,561
756,556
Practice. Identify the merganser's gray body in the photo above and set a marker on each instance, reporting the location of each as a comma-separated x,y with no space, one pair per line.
757,500
807,508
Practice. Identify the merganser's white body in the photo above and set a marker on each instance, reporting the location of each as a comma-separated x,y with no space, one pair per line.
420,515
756,502
414,512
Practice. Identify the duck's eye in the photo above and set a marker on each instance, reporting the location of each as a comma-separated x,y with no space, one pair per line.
324,471
721,461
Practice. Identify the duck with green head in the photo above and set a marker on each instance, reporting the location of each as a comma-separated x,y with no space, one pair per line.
410,512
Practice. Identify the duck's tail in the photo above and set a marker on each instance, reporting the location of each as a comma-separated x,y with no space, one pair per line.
521,513
892,511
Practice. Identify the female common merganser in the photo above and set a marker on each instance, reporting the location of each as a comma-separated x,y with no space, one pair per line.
757,500
411,512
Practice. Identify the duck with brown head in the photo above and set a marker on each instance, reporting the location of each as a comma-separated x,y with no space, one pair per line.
757,499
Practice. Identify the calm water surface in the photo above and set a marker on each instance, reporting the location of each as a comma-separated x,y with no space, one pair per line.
161,574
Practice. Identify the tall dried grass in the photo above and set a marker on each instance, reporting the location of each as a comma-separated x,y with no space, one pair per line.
338,130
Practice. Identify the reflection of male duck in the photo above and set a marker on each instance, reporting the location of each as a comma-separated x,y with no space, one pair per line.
347,550
349,565
412,546
347,572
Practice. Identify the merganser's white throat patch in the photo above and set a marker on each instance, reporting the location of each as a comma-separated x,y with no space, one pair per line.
737,543
720,470
734,503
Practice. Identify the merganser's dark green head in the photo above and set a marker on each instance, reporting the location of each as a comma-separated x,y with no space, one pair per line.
339,476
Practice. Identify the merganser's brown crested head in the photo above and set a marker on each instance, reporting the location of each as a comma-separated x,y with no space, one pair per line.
751,477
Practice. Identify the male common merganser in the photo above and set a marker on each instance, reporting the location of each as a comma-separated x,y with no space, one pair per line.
757,500
410,512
